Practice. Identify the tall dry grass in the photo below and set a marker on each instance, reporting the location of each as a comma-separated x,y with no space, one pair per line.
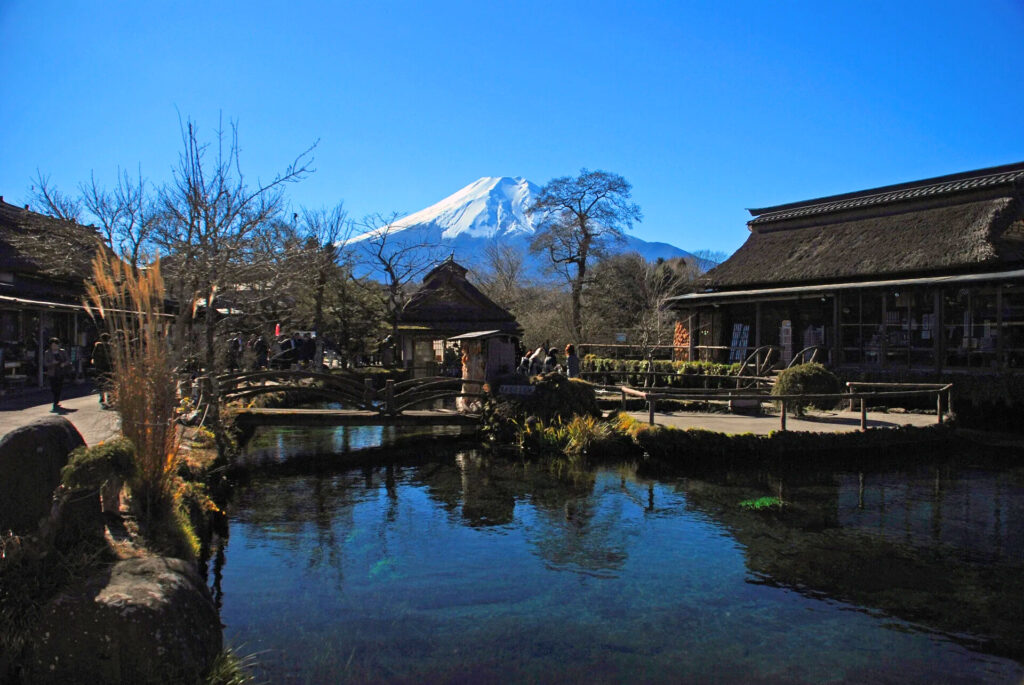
128,303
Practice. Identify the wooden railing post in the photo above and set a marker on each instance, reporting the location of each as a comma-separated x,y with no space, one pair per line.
389,397
849,387
863,415
938,405
367,391
650,409
623,398
782,419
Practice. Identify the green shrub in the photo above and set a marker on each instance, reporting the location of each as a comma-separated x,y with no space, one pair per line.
807,379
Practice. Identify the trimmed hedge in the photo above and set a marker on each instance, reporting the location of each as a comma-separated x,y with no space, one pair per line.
634,372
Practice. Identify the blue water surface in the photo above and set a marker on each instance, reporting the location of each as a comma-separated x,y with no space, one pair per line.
474,569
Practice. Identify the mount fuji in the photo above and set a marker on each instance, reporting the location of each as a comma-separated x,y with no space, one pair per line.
493,209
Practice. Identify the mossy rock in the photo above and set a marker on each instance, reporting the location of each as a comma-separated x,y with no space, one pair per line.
90,467
31,459
555,397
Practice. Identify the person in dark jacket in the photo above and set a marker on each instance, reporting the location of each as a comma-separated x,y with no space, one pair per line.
551,361
103,367
56,365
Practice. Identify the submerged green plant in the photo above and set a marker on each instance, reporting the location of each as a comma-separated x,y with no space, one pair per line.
231,669
761,503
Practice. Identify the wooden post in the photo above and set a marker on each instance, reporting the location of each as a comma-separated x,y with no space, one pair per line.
782,420
389,397
939,330
999,328
850,388
367,391
836,351
623,399
938,405
863,415
757,327
650,409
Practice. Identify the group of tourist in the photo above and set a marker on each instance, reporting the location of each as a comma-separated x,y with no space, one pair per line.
298,349
546,361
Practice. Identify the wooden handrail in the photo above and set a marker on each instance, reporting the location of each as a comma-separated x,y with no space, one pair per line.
722,394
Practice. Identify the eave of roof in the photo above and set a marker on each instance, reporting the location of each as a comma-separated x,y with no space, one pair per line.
914,190
795,292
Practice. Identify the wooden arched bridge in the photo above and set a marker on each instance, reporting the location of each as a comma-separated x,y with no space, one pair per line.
411,402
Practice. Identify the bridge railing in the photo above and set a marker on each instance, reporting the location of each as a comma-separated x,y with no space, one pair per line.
349,389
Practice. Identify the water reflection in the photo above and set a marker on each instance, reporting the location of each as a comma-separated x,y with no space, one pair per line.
276,446
936,546
475,568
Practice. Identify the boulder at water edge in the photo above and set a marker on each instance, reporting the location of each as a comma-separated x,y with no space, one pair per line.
143,621
31,458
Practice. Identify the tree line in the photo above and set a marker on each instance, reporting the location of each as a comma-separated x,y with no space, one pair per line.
229,244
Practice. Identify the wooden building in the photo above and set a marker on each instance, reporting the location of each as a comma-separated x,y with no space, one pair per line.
927,276
43,266
448,306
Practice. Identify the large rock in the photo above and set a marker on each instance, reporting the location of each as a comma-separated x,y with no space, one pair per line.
144,621
31,458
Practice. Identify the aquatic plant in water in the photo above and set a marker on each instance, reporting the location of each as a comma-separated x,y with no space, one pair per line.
761,503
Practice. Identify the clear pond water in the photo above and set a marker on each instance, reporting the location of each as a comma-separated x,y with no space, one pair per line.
468,568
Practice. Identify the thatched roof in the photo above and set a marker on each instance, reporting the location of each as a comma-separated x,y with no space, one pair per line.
957,224
448,304
48,257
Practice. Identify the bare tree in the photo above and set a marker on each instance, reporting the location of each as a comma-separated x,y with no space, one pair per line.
326,234
577,218
705,260
125,215
53,202
395,259
211,225
502,275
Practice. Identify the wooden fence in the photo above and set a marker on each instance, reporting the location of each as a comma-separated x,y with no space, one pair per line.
855,393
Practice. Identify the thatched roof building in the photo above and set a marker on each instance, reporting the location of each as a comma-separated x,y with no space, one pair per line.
964,223
42,257
44,263
919,274
447,306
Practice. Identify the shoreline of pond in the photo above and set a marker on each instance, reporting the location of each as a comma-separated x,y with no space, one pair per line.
662,448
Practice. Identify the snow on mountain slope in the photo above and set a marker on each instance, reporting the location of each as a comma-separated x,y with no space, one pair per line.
489,207
492,208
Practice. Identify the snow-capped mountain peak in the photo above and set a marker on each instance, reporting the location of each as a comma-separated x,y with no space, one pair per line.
488,207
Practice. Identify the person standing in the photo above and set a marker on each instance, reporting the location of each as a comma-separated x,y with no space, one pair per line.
102,368
572,362
551,361
262,351
56,365
536,361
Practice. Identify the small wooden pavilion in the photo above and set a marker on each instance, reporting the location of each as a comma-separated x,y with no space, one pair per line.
926,275
449,312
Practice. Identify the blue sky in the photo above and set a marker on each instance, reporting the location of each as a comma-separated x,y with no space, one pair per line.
707,108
